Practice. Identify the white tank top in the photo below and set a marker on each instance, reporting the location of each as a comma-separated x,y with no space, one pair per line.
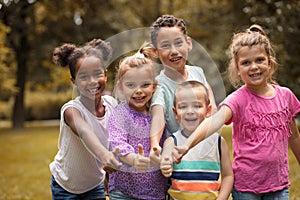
74,168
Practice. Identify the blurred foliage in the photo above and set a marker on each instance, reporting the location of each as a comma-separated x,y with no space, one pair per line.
45,106
45,24
7,67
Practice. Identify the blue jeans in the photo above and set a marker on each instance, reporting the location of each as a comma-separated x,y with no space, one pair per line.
118,195
278,195
58,193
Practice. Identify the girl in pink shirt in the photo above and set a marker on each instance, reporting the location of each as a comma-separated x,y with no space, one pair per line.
263,117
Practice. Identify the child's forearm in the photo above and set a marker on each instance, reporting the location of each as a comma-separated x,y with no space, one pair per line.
209,126
226,187
202,131
155,138
294,140
157,125
166,165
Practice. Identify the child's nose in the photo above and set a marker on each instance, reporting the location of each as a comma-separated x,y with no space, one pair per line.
190,110
174,49
93,79
254,65
138,90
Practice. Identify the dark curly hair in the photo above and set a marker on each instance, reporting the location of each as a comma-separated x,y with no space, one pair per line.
166,21
68,54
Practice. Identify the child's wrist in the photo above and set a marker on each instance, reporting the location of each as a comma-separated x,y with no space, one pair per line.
134,160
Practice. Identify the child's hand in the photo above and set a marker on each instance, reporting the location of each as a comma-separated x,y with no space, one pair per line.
109,160
166,167
155,156
109,170
178,152
141,162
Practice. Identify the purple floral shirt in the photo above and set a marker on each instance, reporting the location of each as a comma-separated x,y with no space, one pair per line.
128,128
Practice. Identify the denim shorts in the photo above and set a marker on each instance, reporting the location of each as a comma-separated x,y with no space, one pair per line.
58,193
118,195
277,195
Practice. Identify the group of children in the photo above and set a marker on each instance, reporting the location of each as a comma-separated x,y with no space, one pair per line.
148,137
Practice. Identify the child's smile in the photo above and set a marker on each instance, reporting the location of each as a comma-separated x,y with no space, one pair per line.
137,85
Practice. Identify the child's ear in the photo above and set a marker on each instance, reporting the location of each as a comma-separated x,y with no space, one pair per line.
155,85
105,74
190,43
175,112
208,110
154,52
119,86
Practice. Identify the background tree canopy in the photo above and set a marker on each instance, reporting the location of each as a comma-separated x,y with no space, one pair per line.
32,87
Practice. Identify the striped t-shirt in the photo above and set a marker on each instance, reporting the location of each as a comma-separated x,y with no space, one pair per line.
197,175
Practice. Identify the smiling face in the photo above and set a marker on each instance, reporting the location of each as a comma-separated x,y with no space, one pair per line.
90,77
253,66
137,86
191,107
172,48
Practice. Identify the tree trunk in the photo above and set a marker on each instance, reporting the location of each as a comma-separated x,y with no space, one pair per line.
18,117
18,17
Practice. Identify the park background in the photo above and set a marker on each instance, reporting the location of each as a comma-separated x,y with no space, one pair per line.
32,88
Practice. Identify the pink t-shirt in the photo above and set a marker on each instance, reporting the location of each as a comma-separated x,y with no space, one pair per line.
260,138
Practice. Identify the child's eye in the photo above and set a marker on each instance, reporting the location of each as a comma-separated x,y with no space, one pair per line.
145,85
260,60
130,85
178,43
83,77
245,63
182,107
197,106
165,46
99,74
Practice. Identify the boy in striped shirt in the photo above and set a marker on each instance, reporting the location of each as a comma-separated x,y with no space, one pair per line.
197,175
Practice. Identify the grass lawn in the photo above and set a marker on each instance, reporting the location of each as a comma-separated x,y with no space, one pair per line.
25,156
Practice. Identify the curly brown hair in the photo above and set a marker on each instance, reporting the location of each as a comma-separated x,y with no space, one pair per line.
166,21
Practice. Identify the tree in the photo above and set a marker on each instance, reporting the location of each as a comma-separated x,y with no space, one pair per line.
35,27
19,17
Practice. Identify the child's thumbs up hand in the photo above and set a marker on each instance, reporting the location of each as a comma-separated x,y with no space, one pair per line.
140,150
141,162
166,166
111,164
155,156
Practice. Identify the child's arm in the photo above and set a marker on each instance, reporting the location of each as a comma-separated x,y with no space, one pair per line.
294,140
212,99
81,128
166,165
156,132
226,172
205,129
157,125
138,161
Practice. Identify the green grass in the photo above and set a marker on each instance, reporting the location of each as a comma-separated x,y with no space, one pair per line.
25,157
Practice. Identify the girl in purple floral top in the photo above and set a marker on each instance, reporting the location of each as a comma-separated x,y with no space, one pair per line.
129,129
